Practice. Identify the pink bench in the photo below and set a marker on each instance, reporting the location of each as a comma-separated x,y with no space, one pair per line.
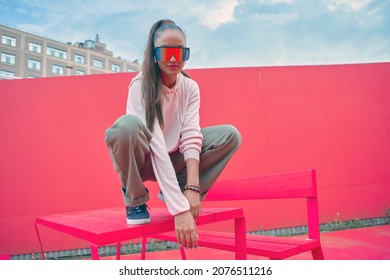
5,257
299,184
108,226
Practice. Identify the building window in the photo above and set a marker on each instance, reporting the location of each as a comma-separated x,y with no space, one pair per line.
57,69
7,40
115,68
34,64
130,70
80,72
32,47
79,58
8,58
97,63
56,53
7,73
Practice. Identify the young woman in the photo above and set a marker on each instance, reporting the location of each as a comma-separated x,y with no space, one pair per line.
160,139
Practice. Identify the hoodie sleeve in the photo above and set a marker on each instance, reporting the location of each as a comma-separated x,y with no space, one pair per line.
191,137
161,162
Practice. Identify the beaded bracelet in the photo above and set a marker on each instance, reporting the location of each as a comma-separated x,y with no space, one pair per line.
194,188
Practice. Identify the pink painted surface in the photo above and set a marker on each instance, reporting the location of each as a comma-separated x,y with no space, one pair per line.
5,257
107,226
370,243
297,184
291,185
334,119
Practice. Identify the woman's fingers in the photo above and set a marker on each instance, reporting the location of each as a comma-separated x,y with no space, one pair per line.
197,212
186,232
195,237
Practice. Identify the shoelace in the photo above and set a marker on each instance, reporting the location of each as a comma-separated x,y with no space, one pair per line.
138,209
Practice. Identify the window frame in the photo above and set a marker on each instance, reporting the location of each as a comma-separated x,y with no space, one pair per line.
32,46
81,61
5,39
7,58
32,62
95,60
57,53
58,67
117,66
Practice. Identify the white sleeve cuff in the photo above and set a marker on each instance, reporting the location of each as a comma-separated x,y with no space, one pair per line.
191,153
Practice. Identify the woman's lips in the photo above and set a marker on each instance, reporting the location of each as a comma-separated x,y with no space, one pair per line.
172,66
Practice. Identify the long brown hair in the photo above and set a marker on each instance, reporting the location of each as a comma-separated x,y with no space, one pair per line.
152,87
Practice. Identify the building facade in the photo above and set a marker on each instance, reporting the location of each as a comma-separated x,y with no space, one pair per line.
25,55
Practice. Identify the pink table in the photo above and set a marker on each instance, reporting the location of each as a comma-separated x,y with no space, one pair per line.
108,226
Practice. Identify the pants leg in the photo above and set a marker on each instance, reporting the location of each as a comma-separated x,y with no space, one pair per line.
219,144
128,142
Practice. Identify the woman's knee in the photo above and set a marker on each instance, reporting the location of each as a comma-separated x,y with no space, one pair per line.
125,127
234,135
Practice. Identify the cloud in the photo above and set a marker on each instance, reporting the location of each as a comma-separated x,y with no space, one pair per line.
275,18
353,5
276,1
221,33
216,13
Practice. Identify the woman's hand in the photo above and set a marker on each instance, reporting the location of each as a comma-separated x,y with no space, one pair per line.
194,200
186,232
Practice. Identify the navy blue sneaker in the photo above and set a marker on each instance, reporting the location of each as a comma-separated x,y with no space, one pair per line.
137,215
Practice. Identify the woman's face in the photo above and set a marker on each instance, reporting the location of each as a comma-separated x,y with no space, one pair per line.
170,38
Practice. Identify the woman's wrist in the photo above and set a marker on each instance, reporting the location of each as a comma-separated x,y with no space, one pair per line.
192,187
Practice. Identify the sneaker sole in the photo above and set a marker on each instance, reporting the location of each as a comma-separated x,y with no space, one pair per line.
138,222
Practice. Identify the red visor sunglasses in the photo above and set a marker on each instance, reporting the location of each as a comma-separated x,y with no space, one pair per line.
165,54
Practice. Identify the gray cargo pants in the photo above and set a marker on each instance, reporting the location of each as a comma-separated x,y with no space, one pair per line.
128,142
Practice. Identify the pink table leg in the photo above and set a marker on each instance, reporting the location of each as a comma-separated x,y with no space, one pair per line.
95,252
240,238
40,242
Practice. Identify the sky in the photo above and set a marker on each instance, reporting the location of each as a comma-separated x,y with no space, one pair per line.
220,33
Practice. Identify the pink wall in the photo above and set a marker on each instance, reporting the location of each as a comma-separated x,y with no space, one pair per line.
335,119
